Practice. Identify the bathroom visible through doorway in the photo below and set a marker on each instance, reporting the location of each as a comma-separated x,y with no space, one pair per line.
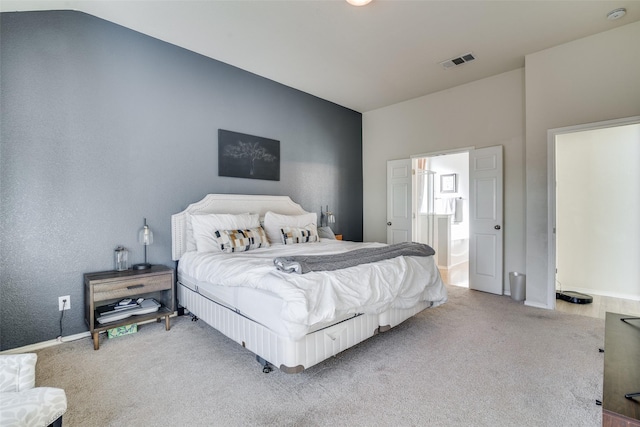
441,200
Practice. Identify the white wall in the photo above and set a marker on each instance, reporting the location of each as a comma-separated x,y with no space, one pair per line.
598,206
588,80
484,113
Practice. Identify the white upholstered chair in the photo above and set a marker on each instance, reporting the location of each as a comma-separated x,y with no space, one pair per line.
23,404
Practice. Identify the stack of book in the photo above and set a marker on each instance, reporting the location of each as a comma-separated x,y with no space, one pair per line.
125,308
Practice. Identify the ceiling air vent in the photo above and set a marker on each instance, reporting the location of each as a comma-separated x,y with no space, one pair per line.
460,60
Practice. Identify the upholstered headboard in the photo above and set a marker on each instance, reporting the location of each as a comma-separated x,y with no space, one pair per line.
227,203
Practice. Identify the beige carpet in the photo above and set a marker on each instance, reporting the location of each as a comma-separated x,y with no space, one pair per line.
479,360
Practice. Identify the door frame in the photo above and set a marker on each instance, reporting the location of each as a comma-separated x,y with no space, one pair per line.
443,152
551,192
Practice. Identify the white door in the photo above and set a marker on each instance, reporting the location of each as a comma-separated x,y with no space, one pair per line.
485,227
399,210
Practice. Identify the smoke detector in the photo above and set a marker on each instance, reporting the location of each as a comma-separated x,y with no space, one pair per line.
616,14
460,60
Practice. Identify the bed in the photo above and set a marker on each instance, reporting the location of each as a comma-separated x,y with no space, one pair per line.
290,321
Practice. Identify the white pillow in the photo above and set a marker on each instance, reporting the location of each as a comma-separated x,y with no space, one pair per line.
203,227
326,233
273,224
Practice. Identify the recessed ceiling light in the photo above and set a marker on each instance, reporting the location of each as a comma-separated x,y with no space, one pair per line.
616,14
358,2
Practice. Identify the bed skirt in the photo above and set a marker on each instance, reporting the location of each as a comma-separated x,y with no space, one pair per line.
291,356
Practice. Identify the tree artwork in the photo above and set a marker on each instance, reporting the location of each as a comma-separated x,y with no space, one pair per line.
251,151
248,156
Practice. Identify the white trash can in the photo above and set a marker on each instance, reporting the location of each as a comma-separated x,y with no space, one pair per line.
518,285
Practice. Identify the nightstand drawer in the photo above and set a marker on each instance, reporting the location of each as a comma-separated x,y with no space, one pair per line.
131,287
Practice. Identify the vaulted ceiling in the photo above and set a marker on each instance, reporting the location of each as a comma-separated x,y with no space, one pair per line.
365,57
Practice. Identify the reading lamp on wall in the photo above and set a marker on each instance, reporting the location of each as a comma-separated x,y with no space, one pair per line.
327,216
145,238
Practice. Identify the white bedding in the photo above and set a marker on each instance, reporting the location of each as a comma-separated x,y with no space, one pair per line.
321,297
258,305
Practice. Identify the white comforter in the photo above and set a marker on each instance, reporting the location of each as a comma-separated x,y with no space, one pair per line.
321,296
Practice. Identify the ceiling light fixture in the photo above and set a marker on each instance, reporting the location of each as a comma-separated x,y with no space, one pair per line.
358,2
616,14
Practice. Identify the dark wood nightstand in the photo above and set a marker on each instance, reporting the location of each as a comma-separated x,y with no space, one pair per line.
106,287
621,371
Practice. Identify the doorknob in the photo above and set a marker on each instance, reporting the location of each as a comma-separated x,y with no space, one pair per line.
389,223
497,227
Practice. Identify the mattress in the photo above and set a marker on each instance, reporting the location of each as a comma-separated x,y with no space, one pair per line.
294,305
257,305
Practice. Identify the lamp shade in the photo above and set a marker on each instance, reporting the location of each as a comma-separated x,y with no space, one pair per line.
327,216
145,238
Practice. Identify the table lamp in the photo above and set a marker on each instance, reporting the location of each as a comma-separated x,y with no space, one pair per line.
327,216
145,238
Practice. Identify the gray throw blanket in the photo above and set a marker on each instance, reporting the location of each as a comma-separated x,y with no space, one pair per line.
306,263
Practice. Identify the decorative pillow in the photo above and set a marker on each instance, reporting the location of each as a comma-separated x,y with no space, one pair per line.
241,240
203,226
274,223
326,233
292,235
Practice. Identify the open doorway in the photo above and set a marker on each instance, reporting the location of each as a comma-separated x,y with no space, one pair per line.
594,211
441,213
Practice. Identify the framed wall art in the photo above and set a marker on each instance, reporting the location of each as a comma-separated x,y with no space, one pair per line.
449,183
248,156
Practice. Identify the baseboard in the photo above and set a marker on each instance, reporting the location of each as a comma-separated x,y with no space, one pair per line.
602,293
44,344
536,305
50,343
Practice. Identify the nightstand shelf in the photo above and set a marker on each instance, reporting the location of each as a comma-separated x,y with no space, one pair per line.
106,287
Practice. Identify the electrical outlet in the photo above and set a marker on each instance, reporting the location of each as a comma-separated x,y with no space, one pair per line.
64,303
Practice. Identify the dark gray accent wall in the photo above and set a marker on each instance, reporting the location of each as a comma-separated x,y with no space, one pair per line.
102,126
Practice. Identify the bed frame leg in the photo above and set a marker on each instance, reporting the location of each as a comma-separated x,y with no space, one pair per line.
266,366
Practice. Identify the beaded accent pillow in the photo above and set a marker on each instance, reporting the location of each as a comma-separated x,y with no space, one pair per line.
241,240
291,235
